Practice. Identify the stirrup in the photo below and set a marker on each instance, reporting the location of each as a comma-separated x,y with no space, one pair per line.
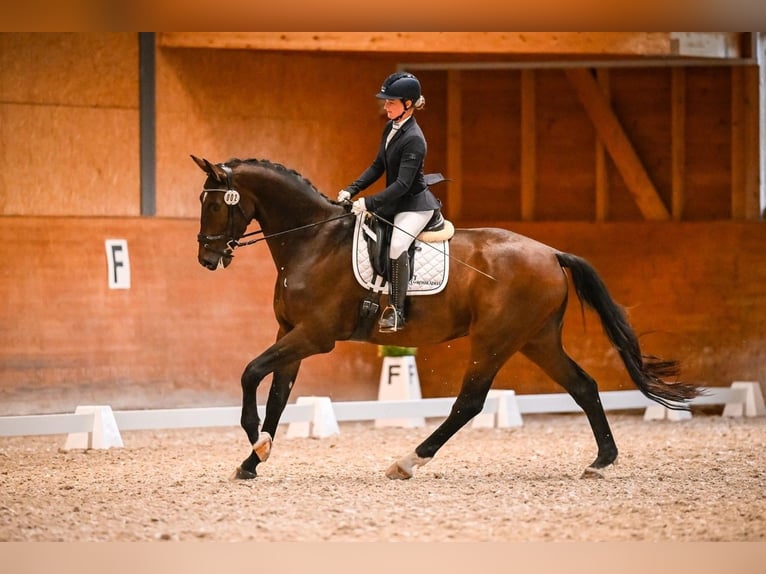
390,320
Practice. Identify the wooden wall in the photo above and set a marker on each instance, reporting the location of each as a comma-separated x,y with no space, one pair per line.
693,291
69,124
69,153
182,334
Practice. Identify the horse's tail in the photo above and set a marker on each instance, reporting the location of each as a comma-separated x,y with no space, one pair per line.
647,372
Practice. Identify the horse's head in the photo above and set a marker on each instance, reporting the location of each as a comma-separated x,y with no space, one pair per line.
223,220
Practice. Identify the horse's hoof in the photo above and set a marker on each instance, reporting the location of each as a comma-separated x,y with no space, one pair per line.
242,474
396,472
591,472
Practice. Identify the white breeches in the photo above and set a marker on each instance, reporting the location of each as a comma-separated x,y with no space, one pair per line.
407,226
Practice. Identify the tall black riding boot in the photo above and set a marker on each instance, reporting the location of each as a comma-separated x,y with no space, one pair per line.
392,319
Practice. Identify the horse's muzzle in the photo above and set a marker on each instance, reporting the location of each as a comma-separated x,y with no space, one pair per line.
213,260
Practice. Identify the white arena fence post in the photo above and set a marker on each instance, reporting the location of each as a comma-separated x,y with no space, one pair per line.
658,412
103,435
752,403
500,411
322,424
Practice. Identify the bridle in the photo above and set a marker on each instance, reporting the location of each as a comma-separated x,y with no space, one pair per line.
231,199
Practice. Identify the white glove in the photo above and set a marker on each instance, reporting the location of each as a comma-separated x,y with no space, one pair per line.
358,207
343,195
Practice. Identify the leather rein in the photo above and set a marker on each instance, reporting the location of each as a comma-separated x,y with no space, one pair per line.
231,198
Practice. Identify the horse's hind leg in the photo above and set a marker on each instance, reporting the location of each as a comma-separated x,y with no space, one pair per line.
470,401
547,352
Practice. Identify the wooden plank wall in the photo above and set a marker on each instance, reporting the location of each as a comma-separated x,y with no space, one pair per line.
69,124
182,334
74,99
693,291
70,179
565,181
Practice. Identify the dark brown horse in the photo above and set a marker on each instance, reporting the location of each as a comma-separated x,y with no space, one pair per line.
317,299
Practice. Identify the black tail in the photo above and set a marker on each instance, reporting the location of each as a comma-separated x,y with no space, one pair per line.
648,373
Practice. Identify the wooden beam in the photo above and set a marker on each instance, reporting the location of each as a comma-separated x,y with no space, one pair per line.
618,144
710,44
745,192
528,145
620,44
678,142
454,145
602,179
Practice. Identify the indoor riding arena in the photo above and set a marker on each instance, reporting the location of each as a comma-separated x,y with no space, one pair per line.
121,356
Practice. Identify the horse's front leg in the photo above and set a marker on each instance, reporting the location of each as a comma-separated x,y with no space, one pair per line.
283,359
279,393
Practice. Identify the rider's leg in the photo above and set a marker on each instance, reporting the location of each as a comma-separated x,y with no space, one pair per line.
407,226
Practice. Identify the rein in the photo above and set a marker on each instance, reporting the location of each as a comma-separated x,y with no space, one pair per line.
237,243
231,198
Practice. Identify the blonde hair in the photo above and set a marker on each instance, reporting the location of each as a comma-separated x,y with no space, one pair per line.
420,103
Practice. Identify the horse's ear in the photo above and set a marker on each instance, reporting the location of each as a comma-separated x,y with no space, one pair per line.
200,163
211,169
216,171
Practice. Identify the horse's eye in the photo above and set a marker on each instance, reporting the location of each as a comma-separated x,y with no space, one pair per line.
215,207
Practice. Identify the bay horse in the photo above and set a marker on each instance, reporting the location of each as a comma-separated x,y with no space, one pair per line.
519,308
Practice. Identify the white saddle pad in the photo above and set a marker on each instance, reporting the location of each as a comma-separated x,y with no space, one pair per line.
431,262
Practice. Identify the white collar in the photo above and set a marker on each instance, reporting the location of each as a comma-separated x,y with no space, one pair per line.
396,126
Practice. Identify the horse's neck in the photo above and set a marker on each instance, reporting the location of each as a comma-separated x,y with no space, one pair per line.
285,201
288,206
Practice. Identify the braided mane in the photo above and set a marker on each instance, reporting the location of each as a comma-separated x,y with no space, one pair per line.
279,168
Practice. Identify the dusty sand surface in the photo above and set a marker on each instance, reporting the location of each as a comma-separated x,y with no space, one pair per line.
697,480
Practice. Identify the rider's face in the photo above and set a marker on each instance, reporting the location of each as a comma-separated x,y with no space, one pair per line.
393,108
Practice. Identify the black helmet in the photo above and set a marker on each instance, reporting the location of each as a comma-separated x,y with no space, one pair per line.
400,86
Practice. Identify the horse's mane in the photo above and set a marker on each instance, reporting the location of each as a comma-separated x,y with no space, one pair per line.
278,167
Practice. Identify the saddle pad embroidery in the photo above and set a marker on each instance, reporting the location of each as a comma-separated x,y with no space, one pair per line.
431,265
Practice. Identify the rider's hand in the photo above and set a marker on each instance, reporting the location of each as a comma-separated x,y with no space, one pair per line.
358,206
343,196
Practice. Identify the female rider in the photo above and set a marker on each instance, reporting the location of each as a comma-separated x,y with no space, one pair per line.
406,201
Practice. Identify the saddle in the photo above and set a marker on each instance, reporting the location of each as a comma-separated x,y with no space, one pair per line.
378,238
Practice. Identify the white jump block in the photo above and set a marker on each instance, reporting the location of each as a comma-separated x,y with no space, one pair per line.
104,433
752,406
506,415
399,381
322,424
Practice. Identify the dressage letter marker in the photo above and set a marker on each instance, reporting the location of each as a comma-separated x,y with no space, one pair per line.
399,381
118,263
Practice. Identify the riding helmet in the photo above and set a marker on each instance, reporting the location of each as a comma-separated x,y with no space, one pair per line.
400,86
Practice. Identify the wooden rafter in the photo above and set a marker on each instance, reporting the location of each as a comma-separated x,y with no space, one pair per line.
617,143
556,44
